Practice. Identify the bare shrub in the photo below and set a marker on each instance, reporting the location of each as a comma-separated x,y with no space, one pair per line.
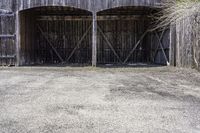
176,11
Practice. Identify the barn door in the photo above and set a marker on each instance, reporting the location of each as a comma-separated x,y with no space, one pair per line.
66,41
121,41
7,39
160,47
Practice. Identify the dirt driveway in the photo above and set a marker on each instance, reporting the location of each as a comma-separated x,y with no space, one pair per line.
100,100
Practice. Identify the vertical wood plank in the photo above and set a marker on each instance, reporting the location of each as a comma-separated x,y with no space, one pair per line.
94,40
18,47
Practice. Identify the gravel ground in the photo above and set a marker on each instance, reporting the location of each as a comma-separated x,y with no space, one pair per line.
99,100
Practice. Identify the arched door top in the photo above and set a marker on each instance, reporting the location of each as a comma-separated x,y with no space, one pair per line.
53,9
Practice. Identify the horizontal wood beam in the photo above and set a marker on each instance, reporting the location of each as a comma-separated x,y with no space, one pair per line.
89,18
61,18
7,15
122,17
7,36
8,57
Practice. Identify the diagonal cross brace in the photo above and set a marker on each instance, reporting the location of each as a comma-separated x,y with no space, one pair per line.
109,44
161,45
134,48
79,42
160,38
51,45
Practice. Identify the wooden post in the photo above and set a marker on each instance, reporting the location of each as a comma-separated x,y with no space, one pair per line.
172,52
17,39
94,40
178,41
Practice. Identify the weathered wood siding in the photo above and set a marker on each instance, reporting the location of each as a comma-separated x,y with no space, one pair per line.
187,44
7,39
91,5
184,44
196,46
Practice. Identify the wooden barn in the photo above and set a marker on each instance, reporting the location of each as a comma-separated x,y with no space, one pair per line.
85,32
